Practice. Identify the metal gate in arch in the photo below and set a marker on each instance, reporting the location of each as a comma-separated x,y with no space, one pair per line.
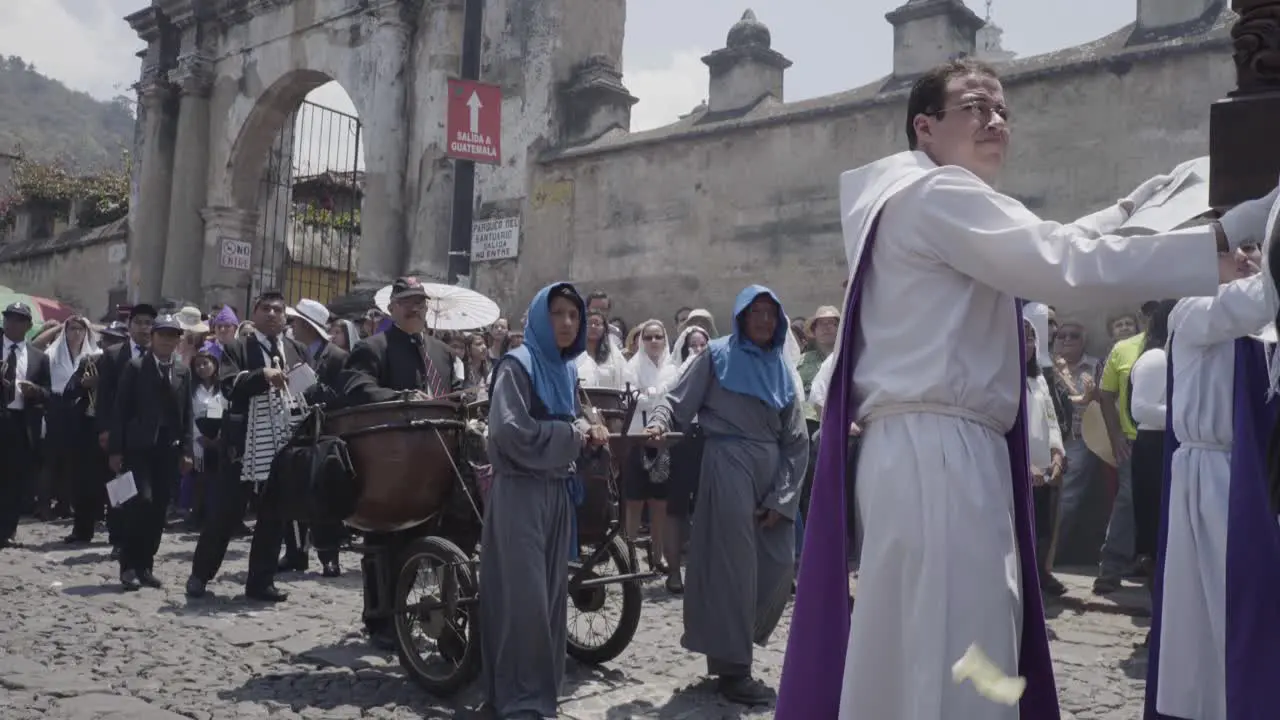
308,243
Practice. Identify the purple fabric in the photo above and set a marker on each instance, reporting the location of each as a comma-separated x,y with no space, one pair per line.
813,672
1253,549
213,348
225,316
383,325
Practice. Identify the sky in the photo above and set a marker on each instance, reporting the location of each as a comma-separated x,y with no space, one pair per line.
835,44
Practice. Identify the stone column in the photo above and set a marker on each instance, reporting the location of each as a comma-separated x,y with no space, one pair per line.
383,237
222,282
1243,143
184,253
148,238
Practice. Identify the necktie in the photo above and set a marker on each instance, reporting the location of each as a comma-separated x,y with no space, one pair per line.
434,385
11,374
165,369
137,350
275,349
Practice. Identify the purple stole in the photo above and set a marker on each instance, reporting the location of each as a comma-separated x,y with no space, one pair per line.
813,672
1253,549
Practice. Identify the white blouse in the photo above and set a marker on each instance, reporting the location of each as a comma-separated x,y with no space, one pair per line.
1150,381
1044,435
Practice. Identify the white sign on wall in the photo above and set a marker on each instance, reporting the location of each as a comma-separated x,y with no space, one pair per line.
495,238
116,253
235,254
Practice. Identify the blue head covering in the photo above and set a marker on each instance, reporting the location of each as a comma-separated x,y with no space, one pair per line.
553,372
746,368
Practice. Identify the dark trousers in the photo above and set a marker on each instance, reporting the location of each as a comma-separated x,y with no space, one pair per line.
325,537
89,476
17,462
226,512
141,519
1042,502
1148,476
380,588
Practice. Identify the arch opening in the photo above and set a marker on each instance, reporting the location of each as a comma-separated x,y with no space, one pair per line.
299,164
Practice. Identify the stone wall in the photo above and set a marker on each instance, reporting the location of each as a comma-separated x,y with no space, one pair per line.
80,268
688,214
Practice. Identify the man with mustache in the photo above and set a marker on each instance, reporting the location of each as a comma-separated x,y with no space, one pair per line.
942,480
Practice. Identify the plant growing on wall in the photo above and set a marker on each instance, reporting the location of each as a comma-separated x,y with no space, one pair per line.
322,218
104,197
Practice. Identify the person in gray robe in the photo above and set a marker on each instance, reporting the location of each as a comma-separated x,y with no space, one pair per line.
742,549
528,537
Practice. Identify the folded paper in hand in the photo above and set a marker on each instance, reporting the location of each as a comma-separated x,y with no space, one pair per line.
121,490
987,679
1185,198
301,378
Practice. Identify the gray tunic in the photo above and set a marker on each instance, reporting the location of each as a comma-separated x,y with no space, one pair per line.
739,575
524,558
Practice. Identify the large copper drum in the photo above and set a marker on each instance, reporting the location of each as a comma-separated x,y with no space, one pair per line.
404,454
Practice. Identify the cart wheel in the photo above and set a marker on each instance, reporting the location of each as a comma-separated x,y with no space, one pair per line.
593,611
436,620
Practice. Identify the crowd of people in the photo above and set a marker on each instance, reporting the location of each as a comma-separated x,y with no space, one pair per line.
958,461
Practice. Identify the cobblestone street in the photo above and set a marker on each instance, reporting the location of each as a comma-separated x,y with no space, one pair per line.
74,648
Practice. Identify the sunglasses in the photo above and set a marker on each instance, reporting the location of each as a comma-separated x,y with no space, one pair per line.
654,338
1069,335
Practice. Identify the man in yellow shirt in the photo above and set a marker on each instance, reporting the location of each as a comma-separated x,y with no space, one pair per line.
1113,397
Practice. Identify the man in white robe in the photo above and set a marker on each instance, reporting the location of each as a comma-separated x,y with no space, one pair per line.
931,368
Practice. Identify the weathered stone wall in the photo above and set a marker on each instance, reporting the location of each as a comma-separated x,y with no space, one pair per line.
688,215
78,268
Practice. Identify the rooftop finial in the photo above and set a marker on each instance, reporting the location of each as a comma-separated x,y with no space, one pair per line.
989,4
749,31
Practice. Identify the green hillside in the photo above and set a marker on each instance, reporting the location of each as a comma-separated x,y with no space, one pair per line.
46,121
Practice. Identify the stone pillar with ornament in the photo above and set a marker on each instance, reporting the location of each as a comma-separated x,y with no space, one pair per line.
149,219
226,255
193,79
1244,127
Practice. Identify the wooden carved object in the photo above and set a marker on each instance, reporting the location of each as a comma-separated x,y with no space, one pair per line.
1244,129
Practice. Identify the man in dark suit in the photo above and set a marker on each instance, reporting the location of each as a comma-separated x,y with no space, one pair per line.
309,321
140,319
404,360
249,367
25,384
150,436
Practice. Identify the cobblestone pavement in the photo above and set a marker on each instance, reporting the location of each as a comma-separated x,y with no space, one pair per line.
74,648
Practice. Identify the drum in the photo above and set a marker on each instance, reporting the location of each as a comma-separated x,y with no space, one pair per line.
403,453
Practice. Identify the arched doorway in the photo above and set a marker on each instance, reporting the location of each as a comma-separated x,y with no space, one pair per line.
309,200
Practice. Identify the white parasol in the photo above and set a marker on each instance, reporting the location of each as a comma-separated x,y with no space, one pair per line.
449,307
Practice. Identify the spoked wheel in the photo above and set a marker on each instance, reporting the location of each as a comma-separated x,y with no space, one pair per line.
437,633
603,619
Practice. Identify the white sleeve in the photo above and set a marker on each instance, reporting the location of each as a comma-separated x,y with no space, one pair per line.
1147,401
1239,308
960,221
822,380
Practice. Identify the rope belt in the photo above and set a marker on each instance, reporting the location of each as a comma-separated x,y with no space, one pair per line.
1201,445
924,408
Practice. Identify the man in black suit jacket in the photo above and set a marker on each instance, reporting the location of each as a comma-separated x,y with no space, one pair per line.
88,458
150,436
249,367
403,360
25,384
309,321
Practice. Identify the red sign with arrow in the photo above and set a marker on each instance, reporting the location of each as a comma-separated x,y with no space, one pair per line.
474,124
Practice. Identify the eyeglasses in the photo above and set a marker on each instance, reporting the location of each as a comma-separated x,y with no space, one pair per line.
983,110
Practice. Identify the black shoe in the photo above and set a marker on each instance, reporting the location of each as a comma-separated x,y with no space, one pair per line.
1052,585
675,585
195,588
383,640
129,581
241,531
268,593
294,564
745,690
146,577
1106,585
331,569
74,539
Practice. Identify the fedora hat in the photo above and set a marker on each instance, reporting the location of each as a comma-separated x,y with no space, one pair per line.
1181,201
313,312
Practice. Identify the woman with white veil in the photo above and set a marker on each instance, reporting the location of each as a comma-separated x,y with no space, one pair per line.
601,364
646,471
76,342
